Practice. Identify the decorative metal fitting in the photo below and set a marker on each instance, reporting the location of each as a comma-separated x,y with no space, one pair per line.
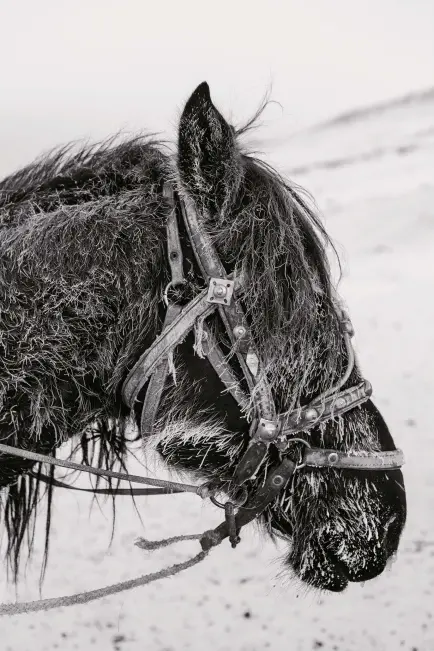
368,388
267,430
220,291
311,414
278,480
333,458
239,331
340,403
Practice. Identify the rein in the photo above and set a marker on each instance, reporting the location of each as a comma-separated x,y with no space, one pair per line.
165,487
267,427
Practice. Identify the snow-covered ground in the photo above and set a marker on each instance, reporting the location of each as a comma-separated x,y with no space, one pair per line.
372,178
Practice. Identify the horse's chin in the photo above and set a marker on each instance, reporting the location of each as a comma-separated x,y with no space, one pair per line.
325,576
326,565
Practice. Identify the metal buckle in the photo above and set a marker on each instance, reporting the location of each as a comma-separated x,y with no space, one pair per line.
238,503
306,444
266,430
169,286
220,290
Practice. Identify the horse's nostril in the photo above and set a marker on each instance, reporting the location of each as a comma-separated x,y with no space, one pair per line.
357,569
370,571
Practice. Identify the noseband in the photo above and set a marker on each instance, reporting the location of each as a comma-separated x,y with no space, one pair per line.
267,426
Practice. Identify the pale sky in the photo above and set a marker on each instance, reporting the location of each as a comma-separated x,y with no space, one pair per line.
87,68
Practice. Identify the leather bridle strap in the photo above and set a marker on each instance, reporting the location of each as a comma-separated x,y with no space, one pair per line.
173,335
174,248
384,460
332,406
158,378
157,382
217,358
230,312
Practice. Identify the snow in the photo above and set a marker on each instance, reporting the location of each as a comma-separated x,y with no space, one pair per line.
378,204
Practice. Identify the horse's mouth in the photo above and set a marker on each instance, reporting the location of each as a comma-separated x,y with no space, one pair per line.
333,572
362,573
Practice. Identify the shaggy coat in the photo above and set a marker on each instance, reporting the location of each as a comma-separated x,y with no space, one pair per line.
83,268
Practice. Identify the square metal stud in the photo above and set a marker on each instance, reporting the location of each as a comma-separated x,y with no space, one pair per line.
220,291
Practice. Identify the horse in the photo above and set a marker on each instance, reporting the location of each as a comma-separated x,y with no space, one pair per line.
106,252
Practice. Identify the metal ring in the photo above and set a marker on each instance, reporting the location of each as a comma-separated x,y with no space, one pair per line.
237,503
168,286
305,443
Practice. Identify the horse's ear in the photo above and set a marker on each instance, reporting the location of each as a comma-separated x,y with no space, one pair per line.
208,158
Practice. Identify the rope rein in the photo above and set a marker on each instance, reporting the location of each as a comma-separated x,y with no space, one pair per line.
165,487
92,595
202,490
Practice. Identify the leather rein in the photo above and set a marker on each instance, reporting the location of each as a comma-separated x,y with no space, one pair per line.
267,426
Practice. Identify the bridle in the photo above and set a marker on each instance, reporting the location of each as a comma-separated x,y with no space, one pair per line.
267,427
